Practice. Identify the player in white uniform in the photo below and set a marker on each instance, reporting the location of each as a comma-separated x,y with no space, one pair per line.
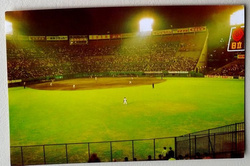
125,100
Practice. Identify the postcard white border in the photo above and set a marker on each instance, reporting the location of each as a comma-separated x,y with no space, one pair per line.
11,5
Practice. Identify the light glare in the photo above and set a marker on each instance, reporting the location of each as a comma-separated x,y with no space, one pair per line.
8,27
237,18
146,25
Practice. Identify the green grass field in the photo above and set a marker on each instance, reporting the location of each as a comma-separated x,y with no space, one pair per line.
175,107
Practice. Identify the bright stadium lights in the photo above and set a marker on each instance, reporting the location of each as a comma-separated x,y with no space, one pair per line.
146,25
8,28
237,18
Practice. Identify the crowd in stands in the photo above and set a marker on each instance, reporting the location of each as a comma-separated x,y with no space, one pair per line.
27,59
165,155
236,68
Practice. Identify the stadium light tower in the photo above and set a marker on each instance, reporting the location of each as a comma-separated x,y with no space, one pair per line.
237,18
146,25
8,28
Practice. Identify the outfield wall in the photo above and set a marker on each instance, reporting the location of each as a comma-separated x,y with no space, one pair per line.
226,77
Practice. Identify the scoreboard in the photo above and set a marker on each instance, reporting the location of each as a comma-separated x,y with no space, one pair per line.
236,39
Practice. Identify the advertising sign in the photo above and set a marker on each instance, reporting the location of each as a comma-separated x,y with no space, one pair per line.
181,30
55,38
36,38
116,36
98,37
162,32
198,29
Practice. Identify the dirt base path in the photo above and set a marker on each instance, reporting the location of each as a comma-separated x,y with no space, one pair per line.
97,83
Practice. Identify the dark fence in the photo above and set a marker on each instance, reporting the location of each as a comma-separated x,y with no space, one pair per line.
80,152
222,142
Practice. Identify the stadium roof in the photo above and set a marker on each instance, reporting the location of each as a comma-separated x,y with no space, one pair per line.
115,19
86,21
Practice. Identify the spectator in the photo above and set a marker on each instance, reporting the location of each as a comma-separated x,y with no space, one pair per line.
180,157
164,153
160,157
94,158
186,157
198,156
206,156
171,153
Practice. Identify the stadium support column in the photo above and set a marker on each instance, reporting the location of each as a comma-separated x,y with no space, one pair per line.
202,62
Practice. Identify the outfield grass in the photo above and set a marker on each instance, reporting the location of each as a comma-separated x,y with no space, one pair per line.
175,107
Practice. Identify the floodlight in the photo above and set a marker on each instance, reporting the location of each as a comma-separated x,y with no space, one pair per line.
237,18
8,27
146,24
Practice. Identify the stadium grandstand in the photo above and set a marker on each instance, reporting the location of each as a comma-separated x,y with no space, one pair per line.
167,51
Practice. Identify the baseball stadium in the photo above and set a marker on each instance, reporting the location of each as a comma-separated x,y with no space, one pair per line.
169,93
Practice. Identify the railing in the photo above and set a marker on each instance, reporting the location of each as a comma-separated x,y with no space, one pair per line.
80,152
226,141
222,142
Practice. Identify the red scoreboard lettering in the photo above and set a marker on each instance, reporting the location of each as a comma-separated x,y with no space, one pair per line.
236,40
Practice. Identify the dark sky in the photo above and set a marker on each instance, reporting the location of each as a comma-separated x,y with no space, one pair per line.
88,21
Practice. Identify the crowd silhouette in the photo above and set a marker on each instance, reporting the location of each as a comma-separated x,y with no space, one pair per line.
27,59
164,155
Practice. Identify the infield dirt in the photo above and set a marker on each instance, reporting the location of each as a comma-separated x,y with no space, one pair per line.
96,83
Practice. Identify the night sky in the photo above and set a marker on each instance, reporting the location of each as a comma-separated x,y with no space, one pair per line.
113,20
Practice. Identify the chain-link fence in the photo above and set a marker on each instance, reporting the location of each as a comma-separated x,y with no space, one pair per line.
80,152
222,142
